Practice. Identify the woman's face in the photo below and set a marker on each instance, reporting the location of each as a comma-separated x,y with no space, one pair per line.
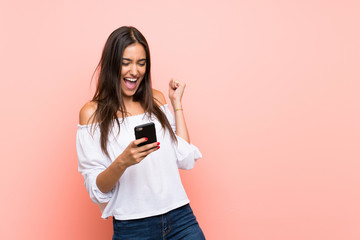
133,69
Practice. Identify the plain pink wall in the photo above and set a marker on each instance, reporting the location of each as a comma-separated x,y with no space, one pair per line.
272,101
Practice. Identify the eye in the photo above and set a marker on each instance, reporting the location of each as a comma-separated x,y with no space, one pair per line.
142,62
125,64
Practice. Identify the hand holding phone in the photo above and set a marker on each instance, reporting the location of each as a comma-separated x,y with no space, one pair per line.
133,153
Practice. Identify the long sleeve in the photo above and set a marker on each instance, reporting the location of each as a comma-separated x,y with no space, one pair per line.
91,162
186,153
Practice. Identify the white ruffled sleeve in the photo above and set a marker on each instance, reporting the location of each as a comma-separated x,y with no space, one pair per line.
186,153
91,162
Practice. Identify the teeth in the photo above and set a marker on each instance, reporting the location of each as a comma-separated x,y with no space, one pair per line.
131,79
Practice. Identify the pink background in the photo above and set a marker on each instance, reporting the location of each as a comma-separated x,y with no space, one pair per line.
272,101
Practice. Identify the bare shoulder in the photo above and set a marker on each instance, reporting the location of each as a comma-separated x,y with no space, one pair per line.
87,113
159,97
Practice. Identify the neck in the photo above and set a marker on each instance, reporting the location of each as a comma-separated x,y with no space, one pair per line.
131,105
128,101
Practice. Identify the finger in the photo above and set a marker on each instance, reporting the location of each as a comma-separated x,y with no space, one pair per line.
180,83
135,143
147,152
171,84
149,146
174,83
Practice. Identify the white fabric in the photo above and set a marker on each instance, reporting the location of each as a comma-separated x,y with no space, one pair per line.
146,189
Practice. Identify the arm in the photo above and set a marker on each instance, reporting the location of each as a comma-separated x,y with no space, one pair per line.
176,90
132,155
186,153
175,94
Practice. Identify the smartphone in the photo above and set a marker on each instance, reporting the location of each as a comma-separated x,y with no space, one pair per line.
146,130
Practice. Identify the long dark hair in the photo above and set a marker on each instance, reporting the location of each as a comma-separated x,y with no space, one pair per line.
108,95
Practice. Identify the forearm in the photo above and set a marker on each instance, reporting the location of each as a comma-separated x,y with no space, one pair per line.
181,129
132,155
107,179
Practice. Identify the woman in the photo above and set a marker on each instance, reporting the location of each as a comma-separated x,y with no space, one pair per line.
139,187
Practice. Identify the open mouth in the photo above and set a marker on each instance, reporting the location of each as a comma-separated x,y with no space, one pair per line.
130,83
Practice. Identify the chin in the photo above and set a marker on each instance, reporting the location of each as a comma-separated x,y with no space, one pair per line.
129,93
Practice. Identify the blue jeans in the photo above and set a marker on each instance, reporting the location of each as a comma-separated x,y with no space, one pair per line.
179,223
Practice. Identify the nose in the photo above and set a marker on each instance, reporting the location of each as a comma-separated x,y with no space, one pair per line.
133,70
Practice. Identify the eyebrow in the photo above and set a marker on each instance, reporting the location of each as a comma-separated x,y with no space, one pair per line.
128,59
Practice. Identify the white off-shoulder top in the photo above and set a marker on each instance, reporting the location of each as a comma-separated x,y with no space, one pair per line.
148,188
